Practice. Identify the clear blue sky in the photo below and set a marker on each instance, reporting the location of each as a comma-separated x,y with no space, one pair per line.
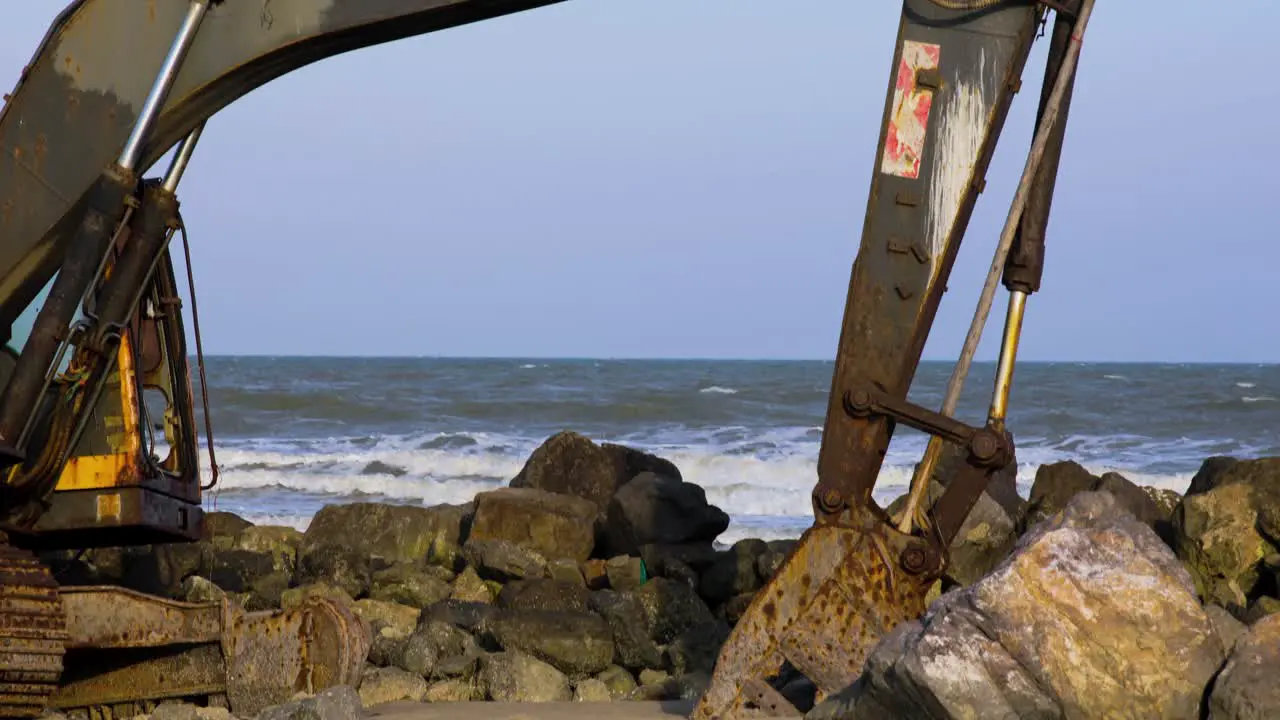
687,178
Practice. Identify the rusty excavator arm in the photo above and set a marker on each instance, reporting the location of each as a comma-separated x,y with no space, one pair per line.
85,261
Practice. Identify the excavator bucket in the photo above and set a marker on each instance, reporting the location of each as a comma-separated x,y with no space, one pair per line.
839,590
854,576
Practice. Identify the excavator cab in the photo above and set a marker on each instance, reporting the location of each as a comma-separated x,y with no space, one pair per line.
132,477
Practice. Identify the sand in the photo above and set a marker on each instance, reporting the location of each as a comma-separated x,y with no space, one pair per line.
532,711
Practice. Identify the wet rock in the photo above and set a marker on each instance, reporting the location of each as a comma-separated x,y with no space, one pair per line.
411,584
1023,641
768,563
625,615
554,526
335,564
1206,478
386,685
1225,625
235,570
571,464
161,569
469,616
734,573
577,644
736,607
1261,608
619,681
662,510
470,588
222,526
386,648
401,617
1216,536
517,677
453,690
591,690
1246,688
294,597
697,555
418,655
336,703
542,594
455,652
1057,483
198,589
653,677
503,561
172,710
624,572
267,592
697,648
670,609
389,533
281,543
566,570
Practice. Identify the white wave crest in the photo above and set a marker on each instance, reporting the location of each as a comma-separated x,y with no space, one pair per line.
718,390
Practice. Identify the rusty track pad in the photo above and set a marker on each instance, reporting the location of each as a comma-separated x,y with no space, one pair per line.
840,590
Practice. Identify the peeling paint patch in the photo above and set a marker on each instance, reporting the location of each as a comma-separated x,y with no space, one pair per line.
909,116
962,125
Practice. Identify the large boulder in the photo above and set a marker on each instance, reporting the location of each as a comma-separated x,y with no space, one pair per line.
1220,530
577,644
554,526
385,533
1092,612
1246,689
1057,483
571,464
656,509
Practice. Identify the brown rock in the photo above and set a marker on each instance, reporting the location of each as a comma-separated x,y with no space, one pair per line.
571,464
555,526
1025,640
1246,689
595,573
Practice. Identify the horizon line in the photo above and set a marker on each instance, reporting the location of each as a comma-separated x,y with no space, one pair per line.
692,358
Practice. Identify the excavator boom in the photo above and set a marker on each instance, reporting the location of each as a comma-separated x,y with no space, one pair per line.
115,84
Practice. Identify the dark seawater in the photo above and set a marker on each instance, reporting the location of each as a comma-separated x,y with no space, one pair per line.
294,434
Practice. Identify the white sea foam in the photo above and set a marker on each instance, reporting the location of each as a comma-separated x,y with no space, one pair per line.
762,480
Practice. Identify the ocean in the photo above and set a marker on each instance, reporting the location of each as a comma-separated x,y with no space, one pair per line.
294,434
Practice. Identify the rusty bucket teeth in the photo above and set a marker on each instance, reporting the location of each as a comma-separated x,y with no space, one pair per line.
839,591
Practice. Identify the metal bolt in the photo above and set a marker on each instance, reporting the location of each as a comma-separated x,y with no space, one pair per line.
861,398
984,446
830,500
914,560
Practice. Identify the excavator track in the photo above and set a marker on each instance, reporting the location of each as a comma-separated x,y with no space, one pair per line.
33,634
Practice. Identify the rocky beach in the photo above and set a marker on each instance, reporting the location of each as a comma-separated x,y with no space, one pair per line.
595,575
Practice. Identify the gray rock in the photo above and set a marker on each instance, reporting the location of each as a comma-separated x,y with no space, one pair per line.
388,533
503,561
570,464
565,570
410,584
516,677
335,564
659,509
671,608
734,573
591,690
696,649
386,685
171,710
1225,625
1024,641
619,681
625,615
577,644
768,563
1246,689
543,594
336,703
625,572
453,690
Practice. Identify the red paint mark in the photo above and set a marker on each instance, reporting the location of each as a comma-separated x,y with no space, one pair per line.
909,116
